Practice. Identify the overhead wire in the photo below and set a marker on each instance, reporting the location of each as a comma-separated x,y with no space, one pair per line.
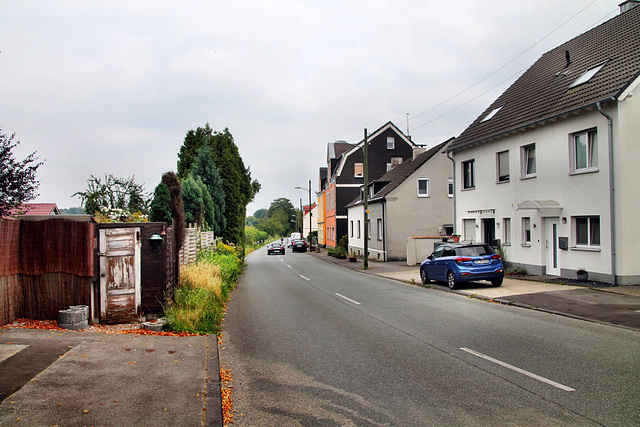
495,71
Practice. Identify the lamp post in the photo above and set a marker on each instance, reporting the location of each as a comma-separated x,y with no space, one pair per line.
310,215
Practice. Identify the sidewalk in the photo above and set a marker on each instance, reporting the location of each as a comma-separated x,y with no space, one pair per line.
618,306
107,379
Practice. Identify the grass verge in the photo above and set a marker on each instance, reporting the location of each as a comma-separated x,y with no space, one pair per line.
204,288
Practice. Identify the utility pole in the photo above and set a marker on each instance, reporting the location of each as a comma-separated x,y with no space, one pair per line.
366,201
310,220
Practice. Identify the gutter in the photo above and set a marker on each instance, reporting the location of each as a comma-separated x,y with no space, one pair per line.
455,223
611,194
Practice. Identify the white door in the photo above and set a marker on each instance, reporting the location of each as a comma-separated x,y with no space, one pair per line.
553,260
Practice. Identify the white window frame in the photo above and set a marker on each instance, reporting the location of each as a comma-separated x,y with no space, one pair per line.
358,229
526,165
589,149
526,231
500,160
506,231
391,142
587,75
369,229
419,180
379,225
468,182
469,229
351,223
450,189
593,239
355,170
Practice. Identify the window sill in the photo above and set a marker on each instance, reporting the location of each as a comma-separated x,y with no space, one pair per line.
584,171
505,244
586,248
525,245
423,196
529,177
503,182
468,189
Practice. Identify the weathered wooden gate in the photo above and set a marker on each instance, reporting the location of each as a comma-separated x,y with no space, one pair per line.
120,274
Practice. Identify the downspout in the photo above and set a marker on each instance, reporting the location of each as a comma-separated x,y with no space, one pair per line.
611,194
384,230
455,223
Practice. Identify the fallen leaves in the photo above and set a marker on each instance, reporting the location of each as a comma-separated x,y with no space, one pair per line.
225,394
134,328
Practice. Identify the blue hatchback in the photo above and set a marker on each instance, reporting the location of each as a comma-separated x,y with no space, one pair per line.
455,263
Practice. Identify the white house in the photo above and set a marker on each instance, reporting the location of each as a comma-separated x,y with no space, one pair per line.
412,199
550,168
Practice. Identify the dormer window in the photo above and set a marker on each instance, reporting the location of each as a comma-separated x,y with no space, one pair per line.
491,114
587,75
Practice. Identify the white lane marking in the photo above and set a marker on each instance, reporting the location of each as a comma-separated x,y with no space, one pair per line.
288,266
348,299
305,278
521,371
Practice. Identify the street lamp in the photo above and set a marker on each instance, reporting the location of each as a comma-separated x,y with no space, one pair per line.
310,214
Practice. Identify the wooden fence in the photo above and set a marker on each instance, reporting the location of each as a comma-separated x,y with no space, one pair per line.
194,241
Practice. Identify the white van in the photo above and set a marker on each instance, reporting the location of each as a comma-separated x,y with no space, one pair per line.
293,237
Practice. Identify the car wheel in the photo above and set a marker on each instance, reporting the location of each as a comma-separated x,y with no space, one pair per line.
451,280
423,276
496,282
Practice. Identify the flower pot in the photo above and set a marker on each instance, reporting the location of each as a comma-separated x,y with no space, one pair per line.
456,238
352,259
583,277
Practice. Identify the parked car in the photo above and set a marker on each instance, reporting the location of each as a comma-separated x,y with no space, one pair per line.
294,236
455,263
275,247
298,245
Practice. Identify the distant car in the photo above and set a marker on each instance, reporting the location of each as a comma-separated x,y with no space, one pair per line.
275,247
455,263
294,236
298,245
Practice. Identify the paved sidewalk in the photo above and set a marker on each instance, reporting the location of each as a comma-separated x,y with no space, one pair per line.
619,306
70,378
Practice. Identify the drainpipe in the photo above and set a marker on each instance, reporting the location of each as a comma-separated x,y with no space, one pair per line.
384,231
455,223
611,194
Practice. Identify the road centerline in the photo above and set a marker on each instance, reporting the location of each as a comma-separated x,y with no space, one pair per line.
348,299
519,370
305,278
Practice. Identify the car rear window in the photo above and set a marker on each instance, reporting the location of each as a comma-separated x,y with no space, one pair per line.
472,251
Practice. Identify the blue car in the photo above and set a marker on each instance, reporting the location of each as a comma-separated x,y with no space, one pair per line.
455,263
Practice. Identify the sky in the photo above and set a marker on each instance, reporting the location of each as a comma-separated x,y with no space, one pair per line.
112,87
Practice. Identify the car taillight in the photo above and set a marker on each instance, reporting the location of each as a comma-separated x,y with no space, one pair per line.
460,260
495,256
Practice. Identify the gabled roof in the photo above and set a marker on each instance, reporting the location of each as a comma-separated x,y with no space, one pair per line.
375,134
33,209
550,89
402,172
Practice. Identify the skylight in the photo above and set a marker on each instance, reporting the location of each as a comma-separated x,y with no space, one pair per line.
491,114
587,75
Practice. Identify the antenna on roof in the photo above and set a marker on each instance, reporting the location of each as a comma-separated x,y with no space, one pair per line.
567,57
408,134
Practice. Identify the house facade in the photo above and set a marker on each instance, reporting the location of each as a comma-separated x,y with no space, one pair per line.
413,199
388,147
549,169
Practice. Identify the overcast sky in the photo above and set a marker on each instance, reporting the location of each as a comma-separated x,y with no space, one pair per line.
112,87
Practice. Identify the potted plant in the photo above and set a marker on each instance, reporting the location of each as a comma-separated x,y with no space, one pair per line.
583,275
352,257
456,237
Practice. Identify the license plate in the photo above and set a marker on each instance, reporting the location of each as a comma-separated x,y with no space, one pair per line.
482,261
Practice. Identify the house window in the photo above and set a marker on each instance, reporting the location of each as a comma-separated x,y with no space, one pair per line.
358,170
506,231
379,221
351,224
526,231
491,114
369,229
587,230
389,167
584,151
358,230
449,187
529,161
468,177
395,161
423,187
502,166
469,229
391,143
587,75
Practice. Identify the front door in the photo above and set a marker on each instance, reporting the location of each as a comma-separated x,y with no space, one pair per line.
553,261
488,230
119,274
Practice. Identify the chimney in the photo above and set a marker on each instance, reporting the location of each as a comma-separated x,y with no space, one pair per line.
628,5
417,151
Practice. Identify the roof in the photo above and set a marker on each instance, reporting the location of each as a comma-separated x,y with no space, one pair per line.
547,90
404,170
33,209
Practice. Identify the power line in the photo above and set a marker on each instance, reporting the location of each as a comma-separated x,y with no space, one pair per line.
498,69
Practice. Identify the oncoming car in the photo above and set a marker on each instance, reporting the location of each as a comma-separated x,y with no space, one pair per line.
275,247
455,263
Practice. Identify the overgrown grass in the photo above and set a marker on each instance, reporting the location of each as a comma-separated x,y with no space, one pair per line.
204,288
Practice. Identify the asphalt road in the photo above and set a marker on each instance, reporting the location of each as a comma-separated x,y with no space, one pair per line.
310,343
